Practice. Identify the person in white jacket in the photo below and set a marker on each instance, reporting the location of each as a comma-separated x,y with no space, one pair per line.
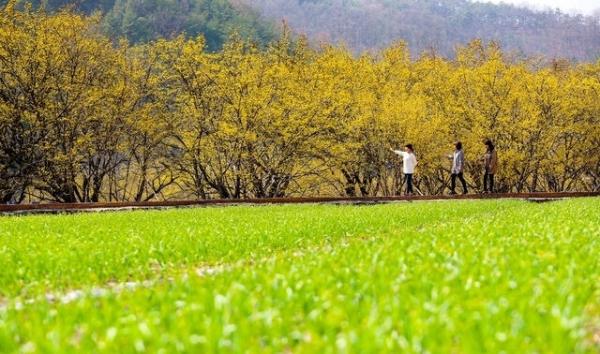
409,162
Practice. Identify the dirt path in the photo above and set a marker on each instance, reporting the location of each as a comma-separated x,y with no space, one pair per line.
54,208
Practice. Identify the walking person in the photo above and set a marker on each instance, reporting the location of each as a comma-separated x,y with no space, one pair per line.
490,160
409,162
458,166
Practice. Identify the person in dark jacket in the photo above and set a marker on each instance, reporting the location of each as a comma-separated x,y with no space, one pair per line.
490,160
458,166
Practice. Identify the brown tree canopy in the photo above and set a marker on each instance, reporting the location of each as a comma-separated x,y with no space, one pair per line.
438,25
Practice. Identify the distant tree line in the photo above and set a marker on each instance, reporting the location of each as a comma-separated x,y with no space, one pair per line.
83,119
438,25
146,20
362,25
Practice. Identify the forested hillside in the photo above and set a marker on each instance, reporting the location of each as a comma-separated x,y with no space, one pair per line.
145,20
362,25
438,24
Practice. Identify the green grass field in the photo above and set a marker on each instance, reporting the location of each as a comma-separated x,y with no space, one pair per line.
453,276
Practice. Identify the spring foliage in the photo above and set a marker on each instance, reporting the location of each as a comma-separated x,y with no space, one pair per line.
85,119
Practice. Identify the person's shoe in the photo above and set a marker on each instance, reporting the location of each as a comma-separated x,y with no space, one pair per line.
465,192
452,193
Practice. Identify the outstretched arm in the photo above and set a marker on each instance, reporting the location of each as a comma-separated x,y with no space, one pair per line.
397,152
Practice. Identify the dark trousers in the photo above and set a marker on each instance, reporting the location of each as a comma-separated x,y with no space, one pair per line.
408,178
461,178
488,182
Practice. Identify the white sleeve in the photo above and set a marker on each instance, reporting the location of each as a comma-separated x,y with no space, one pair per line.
399,152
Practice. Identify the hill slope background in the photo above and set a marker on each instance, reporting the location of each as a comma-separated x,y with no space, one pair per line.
145,20
438,24
362,25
